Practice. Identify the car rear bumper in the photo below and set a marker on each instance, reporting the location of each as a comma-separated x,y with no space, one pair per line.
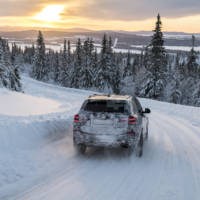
103,140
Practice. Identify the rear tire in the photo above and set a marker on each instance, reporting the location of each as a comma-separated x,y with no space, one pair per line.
81,148
147,133
130,150
139,149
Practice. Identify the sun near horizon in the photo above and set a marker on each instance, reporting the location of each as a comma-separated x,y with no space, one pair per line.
96,15
51,13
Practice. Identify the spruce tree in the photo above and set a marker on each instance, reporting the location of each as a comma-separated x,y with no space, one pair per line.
39,65
106,67
192,65
101,73
64,69
9,74
57,68
158,65
86,70
127,68
116,75
94,66
77,65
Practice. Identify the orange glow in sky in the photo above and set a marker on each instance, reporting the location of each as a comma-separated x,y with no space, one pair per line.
50,13
90,14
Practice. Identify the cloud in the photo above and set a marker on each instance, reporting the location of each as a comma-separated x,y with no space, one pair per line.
122,10
134,9
10,8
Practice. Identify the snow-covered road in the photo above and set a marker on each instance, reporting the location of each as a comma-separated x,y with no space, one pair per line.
42,163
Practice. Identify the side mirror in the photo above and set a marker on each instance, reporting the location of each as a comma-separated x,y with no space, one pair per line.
147,111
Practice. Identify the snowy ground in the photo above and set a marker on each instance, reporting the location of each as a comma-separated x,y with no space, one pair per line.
38,162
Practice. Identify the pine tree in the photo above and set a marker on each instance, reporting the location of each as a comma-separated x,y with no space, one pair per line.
28,54
64,69
116,75
173,90
158,65
68,52
57,68
101,73
106,67
192,64
94,66
39,65
51,62
9,75
86,70
77,65
127,69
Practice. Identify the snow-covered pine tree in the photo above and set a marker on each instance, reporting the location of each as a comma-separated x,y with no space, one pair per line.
65,68
116,75
101,72
192,65
15,52
128,67
40,70
112,69
86,69
3,71
50,62
158,65
127,82
57,68
135,66
94,66
9,75
93,61
17,58
70,59
28,54
69,52
172,89
77,65
144,80
106,67
190,84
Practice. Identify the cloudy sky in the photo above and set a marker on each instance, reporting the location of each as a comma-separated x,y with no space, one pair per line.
131,15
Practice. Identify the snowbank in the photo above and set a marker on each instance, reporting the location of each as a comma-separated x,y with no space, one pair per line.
19,104
31,128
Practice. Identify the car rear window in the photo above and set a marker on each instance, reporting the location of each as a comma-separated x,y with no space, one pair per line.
107,106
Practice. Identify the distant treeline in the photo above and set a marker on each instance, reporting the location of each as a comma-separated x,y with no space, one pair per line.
152,74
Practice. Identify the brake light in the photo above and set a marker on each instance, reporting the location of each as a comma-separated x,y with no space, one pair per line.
76,118
132,120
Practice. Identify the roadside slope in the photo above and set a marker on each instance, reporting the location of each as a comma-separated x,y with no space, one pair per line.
33,131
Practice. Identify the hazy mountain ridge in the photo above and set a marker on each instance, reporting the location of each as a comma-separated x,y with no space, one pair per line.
125,38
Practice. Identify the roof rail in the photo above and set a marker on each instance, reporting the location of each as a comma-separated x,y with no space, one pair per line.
92,95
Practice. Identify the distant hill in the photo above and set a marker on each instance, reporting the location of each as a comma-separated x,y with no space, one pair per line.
18,28
125,39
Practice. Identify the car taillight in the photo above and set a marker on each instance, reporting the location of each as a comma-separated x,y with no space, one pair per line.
76,118
132,120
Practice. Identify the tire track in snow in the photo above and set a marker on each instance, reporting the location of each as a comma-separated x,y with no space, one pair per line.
155,168
188,161
121,174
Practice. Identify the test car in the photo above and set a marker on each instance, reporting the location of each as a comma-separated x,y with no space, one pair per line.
111,121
